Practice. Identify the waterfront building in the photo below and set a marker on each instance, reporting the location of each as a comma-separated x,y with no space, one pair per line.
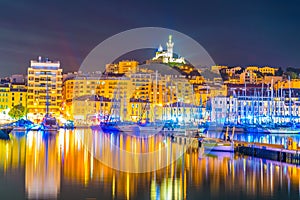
44,81
151,88
11,94
154,88
140,110
77,85
182,112
247,89
108,87
254,109
219,109
202,93
91,108
5,98
114,87
18,93
180,89
80,85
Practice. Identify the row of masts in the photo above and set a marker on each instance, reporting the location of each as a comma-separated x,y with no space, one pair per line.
258,108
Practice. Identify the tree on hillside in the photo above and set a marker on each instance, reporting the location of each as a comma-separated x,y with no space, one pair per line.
295,70
17,112
279,72
291,74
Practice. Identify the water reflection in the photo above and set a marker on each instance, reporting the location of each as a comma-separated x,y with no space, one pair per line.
60,166
42,165
132,154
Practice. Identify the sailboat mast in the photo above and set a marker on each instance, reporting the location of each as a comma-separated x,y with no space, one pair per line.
252,106
272,102
47,96
290,100
262,100
154,109
177,98
281,103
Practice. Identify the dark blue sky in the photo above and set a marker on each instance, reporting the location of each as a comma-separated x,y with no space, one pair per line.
233,32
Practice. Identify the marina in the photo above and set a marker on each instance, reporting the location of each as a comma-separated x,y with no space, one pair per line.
105,100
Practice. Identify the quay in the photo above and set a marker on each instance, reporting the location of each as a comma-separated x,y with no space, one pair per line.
268,151
289,154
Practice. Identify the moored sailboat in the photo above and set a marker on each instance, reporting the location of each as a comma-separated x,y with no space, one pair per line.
49,123
5,131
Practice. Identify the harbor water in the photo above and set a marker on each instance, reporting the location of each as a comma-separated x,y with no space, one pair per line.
60,166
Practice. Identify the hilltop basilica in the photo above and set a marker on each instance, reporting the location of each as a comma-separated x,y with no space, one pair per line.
166,56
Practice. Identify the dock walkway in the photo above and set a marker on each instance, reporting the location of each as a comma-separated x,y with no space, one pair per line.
260,150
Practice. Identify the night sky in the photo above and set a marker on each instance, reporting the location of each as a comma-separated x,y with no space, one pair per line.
233,32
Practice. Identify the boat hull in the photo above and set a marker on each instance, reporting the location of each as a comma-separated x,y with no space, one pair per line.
213,145
284,131
105,128
4,132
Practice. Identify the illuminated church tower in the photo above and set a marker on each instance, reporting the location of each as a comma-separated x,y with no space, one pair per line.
170,45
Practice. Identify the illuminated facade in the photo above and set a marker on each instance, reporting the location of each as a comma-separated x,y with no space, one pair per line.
272,79
44,79
232,70
285,84
124,66
182,112
254,110
140,110
167,56
153,87
250,77
5,98
111,68
91,108
10,96
217,68
268,70
252,69
80,86
107,87
128,66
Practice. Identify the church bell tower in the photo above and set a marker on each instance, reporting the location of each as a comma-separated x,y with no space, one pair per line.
170,45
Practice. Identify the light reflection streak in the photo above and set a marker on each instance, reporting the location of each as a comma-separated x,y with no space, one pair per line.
42,167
